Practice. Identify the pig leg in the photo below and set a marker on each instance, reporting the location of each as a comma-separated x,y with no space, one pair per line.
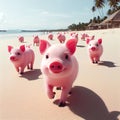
28,66
64,94
31,65
17,69
21,70
92,59
97,59
50,92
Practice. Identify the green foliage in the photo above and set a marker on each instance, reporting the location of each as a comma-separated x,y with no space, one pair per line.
79,26
83,26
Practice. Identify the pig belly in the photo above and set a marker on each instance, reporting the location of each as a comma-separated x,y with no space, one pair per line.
28,58
96,54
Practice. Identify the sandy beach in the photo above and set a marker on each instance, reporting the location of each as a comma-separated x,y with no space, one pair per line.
95,93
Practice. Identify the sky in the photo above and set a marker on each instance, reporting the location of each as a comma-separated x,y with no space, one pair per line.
44,14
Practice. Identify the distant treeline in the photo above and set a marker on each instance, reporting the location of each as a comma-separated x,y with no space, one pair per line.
3,31
84,26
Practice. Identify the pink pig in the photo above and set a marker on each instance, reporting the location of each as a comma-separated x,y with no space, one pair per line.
74,36
59,67
61,37
21,39
50,36
21,57
83,36
36,40
95,49
90,37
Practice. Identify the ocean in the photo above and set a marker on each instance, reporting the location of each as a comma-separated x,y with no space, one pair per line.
15,33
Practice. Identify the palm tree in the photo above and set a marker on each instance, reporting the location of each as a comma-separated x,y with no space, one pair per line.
93,9
109,12
114,4
99,4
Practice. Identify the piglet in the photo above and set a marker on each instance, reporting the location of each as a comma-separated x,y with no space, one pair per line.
59,67
36,40
21,57
21,38
50,36
90,37
95,49
74,36
61,37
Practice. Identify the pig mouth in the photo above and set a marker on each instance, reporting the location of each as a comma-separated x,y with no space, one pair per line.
56,71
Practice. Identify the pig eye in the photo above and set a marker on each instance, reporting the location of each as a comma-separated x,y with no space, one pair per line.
46,56
18,53
66,57
97,45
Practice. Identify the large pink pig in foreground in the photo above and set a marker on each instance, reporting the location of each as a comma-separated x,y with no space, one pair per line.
95,49
21,57
59,67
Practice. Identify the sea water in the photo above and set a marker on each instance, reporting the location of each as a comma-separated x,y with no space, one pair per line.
15,33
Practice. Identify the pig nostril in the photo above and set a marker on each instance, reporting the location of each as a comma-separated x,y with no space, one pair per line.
52,66
93,48
56,67
59,67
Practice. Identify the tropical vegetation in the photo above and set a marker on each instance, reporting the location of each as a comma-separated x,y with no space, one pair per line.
98,5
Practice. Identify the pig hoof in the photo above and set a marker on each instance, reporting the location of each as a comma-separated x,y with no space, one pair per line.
21,73
62,104
70,92
53,95
58,88
96,62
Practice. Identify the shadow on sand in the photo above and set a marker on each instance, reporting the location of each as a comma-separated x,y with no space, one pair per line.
88,105
81,46
107,64
32,75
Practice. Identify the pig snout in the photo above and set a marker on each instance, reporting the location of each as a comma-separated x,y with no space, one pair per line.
12,58
93,48
56,67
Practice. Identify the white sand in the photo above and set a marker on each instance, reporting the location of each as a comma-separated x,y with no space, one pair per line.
96,91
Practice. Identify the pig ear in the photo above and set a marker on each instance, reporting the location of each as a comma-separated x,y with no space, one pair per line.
100,41
87,41
9,48
44,44
71,45
22,48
